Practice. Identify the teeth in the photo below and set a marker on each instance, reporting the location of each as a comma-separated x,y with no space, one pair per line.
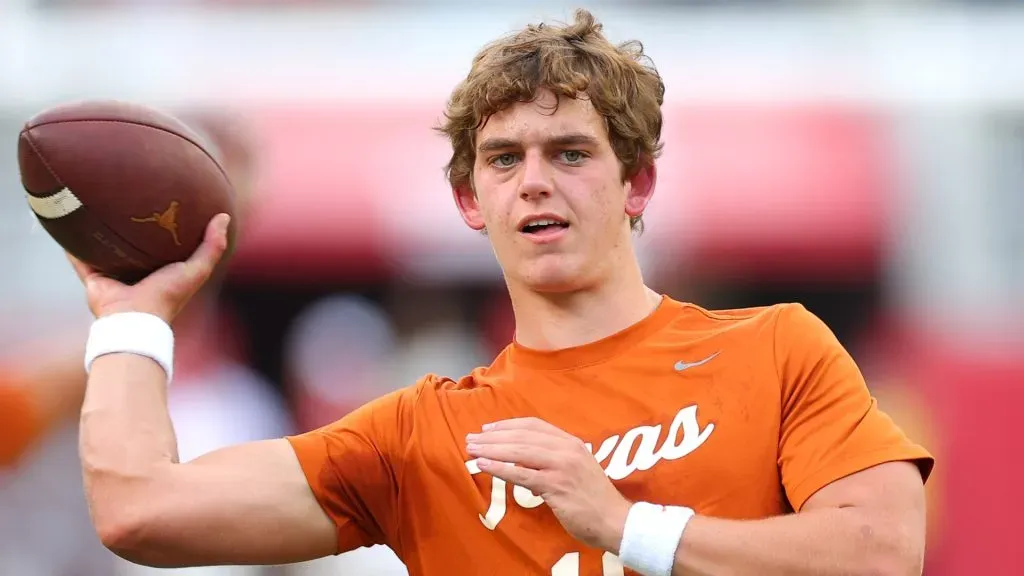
542,222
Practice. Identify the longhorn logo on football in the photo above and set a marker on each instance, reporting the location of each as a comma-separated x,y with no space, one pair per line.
168,220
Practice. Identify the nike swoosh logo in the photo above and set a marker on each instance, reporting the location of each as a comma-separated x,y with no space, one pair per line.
680,366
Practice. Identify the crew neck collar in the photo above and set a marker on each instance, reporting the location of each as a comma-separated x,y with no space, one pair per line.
599,350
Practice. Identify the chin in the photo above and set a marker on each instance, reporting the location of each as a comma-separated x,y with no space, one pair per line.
553,276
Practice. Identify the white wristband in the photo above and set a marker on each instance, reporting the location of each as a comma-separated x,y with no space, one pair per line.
134,333
651,537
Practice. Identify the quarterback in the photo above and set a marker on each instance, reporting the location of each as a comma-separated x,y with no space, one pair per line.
621,431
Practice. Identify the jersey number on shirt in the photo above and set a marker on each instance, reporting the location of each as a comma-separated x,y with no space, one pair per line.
569,565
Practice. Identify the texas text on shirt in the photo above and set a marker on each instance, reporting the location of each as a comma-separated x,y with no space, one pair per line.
737,414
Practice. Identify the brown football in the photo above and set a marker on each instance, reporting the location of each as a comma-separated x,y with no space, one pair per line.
123,187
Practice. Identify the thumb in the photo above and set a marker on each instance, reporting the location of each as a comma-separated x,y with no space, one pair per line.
84,272
179,281
201,264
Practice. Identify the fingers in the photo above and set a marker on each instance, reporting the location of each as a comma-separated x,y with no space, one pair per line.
201,264
526,455
164,292
529,423
185,278
83,270
525,447
530,479
542,449
170,287
532,437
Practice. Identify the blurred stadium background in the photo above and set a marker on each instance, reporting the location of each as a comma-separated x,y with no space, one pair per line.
865,158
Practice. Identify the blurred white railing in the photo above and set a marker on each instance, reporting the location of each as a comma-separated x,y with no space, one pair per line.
919,54
942,70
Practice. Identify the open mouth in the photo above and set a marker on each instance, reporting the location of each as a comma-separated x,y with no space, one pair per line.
543,226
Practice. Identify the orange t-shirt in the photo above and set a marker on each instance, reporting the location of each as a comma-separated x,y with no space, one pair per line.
736,414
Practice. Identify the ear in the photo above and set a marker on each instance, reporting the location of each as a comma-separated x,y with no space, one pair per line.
641,189
469,206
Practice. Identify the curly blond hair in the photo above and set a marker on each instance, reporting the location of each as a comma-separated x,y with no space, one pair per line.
571,60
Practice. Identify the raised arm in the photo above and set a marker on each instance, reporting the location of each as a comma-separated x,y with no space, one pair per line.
248,504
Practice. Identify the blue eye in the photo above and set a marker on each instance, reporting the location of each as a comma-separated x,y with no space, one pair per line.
504,160
573,156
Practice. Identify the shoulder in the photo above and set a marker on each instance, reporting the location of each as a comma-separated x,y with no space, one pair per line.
789,331
756,320
430,389
434,391
784,338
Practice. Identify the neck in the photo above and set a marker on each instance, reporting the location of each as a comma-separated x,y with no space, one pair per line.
547,321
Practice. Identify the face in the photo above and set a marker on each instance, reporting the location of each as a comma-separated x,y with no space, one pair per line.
550,193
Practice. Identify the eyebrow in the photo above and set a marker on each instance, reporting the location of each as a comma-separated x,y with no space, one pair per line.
570,139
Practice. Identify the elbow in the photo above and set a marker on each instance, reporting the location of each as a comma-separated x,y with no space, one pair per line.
136,535
127,520
130,530
121,534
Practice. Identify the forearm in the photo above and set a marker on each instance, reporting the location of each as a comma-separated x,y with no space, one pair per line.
837,541
126,435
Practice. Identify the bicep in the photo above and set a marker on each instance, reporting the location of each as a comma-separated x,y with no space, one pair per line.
246,504
889,485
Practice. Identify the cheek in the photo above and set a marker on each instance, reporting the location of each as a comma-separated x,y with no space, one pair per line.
493,218
602,204
494,204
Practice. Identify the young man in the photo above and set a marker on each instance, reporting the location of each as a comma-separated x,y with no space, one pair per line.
593,438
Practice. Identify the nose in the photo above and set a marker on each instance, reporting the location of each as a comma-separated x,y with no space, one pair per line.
536,178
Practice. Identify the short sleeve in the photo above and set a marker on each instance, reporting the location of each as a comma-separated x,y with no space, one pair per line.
831,425
354,468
